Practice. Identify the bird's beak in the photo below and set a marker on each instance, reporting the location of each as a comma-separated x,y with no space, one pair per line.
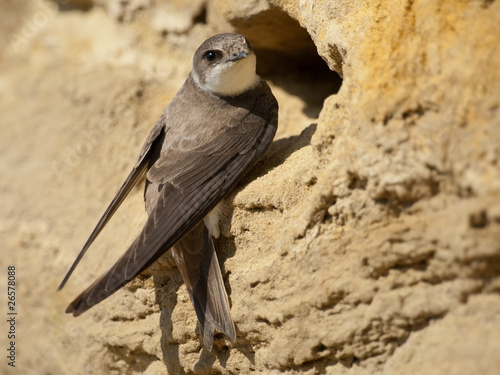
238,56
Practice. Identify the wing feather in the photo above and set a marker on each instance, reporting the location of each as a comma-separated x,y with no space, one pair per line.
190,183
133,177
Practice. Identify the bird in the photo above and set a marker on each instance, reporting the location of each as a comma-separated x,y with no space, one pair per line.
209,136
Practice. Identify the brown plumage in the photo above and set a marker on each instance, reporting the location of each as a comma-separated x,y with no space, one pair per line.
200,147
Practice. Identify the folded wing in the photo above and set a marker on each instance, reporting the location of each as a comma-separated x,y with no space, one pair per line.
190,184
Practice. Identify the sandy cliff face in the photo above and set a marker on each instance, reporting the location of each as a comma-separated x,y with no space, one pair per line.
367,240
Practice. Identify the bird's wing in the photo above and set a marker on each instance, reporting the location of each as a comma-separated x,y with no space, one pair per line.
133,177
207,175
197,261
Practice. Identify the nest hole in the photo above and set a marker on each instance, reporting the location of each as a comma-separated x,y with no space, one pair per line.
288,57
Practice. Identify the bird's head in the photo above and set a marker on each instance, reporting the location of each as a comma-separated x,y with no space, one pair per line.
225,65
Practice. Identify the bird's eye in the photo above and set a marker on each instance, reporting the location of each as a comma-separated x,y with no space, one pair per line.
210,55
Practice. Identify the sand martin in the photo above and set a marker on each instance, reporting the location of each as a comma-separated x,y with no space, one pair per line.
213,131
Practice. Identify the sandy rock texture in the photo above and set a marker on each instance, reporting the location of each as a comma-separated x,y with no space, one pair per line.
366,241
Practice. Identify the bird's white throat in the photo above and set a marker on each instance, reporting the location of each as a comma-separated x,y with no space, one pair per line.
230,78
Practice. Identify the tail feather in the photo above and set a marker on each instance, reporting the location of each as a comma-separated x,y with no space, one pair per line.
197,261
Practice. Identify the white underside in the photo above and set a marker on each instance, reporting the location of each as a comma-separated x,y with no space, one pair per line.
212,220
231,78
